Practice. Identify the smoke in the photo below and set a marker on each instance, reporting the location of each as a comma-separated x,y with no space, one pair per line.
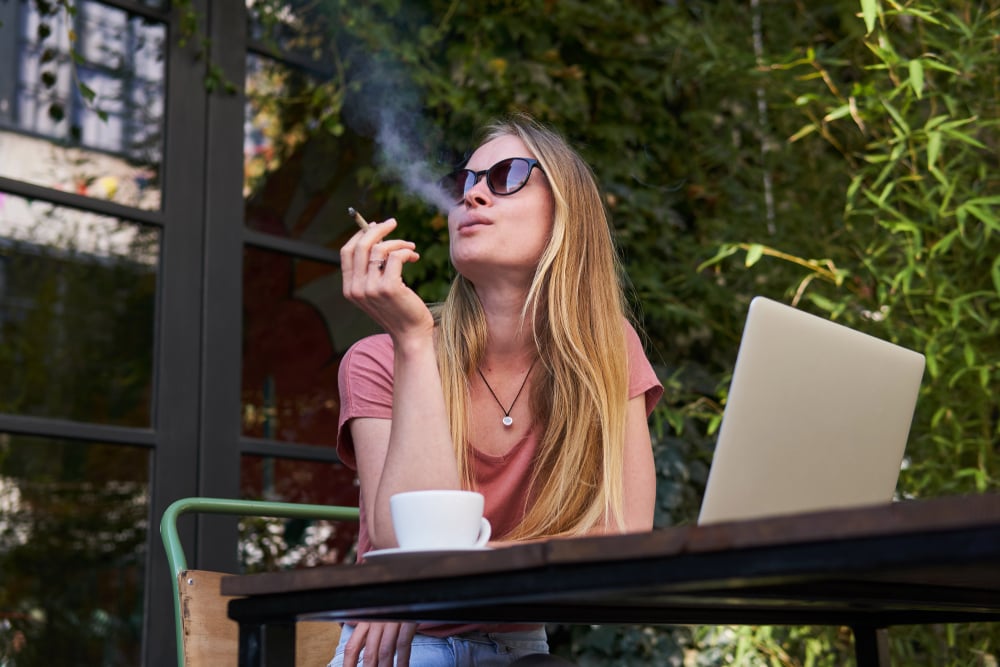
387,106
401,154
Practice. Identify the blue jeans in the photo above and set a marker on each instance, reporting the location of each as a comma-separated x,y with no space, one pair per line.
483,649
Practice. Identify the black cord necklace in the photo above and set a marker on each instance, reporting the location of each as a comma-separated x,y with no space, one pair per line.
507,419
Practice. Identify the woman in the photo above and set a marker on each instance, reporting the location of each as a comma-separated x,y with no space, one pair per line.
527,384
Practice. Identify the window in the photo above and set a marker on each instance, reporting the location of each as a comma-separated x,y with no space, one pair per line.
77,300
109,146
73,540
157,339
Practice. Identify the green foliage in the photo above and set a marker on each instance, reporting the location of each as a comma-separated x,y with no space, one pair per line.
907,115
918,237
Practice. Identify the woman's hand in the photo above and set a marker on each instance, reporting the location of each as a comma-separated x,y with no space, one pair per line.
382,643
372,268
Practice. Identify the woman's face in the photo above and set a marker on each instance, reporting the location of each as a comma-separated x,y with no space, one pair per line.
501,236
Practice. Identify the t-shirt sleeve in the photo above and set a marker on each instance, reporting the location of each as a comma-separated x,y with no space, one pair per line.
365,382
642,377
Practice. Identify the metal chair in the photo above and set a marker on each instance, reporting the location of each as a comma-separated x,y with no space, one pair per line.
205,635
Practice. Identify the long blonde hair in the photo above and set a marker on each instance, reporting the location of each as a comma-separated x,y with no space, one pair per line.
577,310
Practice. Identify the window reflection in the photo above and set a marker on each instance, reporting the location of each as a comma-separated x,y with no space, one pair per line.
77,296
73,525
108,146
270,544
296,326
301,168
302,29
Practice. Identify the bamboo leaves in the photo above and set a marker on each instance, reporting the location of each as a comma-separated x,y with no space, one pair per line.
869,10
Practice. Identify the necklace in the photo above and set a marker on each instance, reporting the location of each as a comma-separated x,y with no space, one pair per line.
507,419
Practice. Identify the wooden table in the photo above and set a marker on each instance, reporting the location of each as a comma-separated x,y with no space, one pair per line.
912,562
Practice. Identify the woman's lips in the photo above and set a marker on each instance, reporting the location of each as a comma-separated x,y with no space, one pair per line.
472,223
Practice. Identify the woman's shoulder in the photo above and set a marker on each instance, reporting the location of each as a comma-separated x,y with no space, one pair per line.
632,336
375,350
376,343
642,375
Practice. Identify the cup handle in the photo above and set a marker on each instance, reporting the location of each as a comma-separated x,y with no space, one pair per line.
485,530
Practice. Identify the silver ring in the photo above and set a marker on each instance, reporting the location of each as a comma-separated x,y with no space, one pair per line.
380,262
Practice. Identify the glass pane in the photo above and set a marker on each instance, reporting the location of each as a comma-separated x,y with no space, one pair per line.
297,28
85,116
73,524
301,169
77,302
296,326
270,544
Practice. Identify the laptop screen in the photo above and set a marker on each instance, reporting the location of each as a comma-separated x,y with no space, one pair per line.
817,418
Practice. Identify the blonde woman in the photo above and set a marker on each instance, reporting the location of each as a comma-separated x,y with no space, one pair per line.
527,384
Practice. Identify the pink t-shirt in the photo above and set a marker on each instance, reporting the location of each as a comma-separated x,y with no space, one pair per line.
366,381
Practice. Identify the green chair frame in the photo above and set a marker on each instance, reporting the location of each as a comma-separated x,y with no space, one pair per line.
176,560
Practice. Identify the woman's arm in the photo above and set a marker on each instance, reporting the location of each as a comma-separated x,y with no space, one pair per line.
412,450
638,475
639,469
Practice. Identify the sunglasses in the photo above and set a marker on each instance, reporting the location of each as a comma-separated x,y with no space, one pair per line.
504,178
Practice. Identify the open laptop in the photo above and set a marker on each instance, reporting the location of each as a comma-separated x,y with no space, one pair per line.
817,418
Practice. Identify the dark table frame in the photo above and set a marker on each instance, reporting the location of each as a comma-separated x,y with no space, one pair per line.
913,562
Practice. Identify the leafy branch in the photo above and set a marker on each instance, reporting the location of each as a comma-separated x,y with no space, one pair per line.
824,269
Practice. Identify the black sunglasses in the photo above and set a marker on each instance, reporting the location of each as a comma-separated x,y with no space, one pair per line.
504,178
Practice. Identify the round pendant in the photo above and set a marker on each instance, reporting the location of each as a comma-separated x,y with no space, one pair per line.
508,420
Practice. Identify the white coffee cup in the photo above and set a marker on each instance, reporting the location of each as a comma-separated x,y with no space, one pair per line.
440,519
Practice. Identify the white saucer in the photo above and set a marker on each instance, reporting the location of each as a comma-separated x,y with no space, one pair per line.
396,552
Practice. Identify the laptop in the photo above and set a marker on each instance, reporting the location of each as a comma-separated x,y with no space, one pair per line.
817,418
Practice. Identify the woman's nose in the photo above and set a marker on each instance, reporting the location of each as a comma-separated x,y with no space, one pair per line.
478,193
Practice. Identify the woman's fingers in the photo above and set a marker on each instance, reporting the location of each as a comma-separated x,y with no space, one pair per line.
394,644
391,264
356,642
382,643
386,649
404,642
372,641
368,239
368,251
360,244
380,251
380,283
372,268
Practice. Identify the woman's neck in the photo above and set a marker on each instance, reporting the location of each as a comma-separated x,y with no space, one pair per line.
510,339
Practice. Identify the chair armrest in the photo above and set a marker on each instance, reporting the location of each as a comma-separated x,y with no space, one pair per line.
168,524
175,550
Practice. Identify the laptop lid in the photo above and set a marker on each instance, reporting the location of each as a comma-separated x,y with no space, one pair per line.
817,418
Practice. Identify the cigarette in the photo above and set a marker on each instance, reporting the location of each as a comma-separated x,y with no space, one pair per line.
362,223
